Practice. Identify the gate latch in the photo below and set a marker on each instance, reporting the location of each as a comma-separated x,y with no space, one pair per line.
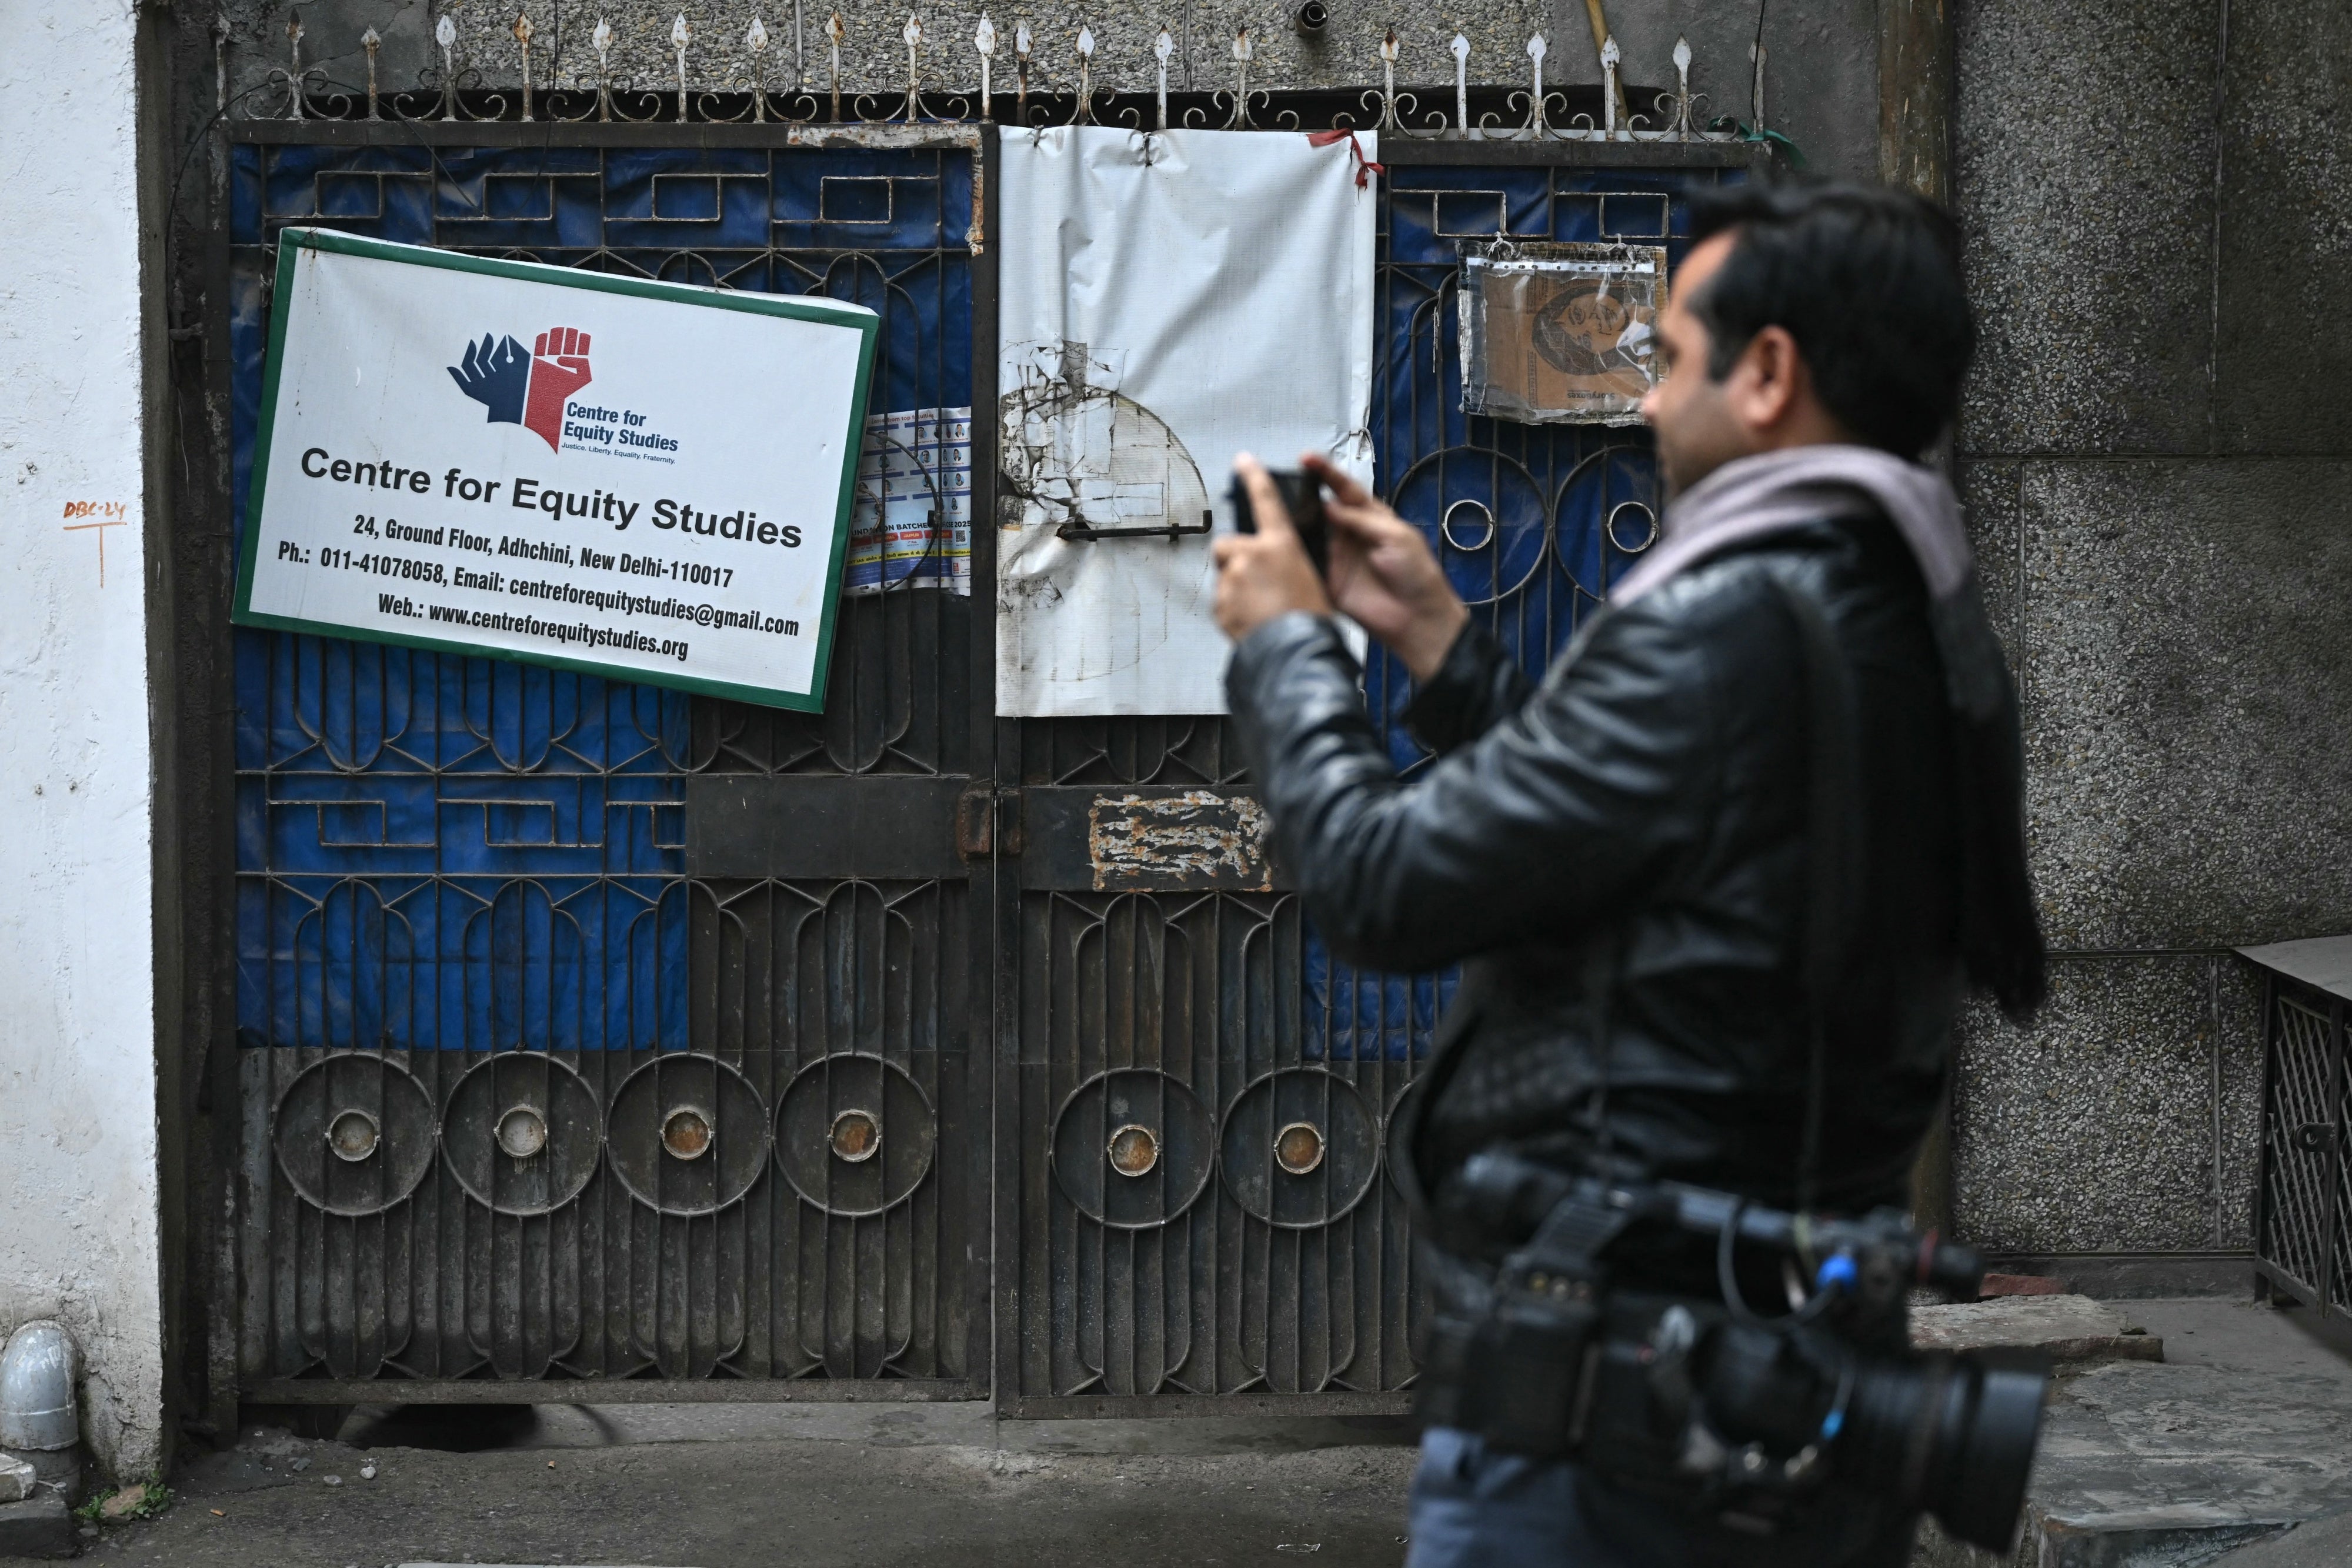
2316,1138
988,822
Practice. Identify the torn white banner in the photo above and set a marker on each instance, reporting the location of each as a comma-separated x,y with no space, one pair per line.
1166,301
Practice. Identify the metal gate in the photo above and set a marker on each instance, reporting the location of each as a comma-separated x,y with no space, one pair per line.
559,1068
566,1074
1196,1094
2302,1219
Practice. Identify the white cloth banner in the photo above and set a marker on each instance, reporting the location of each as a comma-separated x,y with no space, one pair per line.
1168,301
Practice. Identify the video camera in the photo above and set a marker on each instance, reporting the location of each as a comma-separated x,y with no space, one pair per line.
1680,1393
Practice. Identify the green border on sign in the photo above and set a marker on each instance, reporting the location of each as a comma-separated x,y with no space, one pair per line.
803,307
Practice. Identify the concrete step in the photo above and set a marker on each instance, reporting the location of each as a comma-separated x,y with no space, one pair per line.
2072,1331
2144,1464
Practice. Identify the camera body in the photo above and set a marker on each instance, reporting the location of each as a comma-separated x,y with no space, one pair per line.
1688,1395
1302,498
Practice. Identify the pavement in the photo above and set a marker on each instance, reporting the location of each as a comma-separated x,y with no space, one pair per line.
777,1485
2236,1444
2236,1449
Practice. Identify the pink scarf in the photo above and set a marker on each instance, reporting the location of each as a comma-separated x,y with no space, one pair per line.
1750,497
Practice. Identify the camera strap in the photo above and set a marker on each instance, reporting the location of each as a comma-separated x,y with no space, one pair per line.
1833,850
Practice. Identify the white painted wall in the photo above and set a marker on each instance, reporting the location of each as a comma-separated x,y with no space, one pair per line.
78,1213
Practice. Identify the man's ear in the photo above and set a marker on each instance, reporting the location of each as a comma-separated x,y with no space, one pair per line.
1771,380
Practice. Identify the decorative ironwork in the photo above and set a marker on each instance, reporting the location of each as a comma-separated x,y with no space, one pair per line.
522,31
1161,47
983,44
371,41
1292,1124
449,865
1242,51
457,92
1084,113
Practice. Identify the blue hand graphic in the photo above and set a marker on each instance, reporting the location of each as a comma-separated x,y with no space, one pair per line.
496,375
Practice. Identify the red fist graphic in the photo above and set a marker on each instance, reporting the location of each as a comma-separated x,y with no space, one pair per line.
558,368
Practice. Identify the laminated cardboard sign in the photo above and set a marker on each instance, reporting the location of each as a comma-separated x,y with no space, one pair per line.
1560,334
638,479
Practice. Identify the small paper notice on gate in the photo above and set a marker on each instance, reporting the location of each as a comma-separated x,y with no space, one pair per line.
1560,333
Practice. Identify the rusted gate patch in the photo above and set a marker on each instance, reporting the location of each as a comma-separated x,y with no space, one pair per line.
1194,839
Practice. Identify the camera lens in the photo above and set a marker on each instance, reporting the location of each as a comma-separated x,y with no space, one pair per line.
1950,1434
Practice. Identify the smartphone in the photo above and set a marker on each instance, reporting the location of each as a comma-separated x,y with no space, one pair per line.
1302,498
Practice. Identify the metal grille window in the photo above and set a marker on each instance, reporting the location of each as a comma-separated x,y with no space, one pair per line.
2302,1219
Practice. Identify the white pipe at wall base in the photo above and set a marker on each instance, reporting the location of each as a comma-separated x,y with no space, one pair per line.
37,1389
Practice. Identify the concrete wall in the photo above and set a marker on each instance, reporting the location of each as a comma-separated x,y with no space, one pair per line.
2157,452
77,1086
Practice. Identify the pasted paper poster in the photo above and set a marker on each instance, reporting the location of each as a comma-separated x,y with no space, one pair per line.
912,524
1560,333
1167,299
635,478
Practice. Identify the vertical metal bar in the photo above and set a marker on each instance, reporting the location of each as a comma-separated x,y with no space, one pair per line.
2332,1164
992,896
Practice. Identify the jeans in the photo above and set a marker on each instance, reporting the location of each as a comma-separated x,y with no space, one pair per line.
1476,1508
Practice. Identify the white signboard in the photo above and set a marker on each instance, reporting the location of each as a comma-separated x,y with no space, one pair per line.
638,479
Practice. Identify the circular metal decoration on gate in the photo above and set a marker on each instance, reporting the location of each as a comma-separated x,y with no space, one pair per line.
353,1134
1133,1149
523,1133
1300,1148
856,1135
688,1134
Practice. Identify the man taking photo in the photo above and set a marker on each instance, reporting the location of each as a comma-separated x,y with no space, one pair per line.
1717,882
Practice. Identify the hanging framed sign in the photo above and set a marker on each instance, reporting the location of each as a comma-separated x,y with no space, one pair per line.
1560,333
639,479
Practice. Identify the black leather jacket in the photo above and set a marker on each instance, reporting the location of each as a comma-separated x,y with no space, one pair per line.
1617,857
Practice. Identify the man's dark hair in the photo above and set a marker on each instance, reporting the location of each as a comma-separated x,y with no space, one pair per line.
1868,283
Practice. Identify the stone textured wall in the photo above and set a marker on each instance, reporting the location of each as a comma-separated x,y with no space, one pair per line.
2157,459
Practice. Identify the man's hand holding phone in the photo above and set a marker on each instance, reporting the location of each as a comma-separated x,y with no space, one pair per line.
1383,576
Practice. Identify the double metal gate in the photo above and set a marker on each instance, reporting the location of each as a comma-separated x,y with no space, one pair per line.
602,1042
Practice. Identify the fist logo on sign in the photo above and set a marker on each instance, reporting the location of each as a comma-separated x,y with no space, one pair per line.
558,367
526,389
